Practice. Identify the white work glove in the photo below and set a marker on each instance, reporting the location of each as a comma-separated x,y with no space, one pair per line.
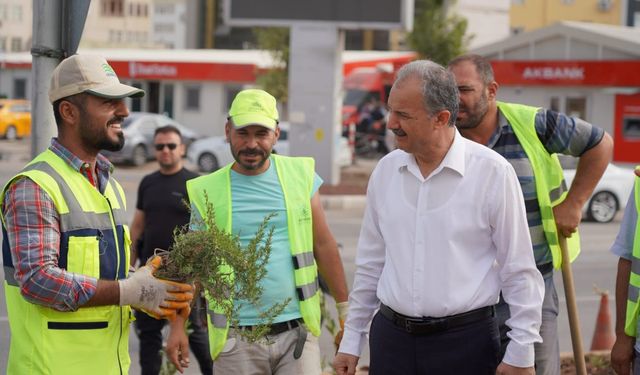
161,299
343,308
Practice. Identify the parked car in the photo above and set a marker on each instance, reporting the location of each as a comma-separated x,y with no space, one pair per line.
609,196
211,153
15,118
138,131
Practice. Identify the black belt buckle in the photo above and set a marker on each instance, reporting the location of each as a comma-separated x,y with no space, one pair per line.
421,326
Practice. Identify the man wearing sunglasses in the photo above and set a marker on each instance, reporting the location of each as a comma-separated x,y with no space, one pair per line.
160,208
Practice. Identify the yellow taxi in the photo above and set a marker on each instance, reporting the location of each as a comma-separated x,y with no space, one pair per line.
15,118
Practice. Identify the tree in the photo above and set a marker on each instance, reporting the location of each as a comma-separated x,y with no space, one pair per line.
276,79
436,35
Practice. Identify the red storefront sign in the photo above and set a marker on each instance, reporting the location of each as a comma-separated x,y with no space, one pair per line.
567,73
184,71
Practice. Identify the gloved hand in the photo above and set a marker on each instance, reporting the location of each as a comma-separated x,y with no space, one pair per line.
158,298
343,308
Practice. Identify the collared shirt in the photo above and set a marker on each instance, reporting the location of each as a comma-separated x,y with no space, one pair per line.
33,230
446,244
559,134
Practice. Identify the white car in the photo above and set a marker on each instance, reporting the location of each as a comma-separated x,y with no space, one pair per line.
609,196
211,153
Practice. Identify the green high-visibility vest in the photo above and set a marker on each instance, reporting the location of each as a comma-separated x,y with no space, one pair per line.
551,188
296,176
633,307
94,241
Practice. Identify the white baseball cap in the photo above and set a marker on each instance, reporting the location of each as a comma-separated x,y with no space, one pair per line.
91,74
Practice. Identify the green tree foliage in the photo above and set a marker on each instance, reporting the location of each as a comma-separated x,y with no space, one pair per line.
215,260
437,36
275,40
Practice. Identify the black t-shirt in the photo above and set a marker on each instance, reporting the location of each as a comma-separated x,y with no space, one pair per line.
163,199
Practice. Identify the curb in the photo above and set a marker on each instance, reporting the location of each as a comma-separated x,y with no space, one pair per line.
343,202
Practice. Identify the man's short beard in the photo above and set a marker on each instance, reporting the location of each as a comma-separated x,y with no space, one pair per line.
108,145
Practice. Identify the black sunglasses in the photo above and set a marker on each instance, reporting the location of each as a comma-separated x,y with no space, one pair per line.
160,146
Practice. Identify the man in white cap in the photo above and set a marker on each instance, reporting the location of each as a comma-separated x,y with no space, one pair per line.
66,245
258,184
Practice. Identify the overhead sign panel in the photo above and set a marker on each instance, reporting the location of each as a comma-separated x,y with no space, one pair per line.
345,14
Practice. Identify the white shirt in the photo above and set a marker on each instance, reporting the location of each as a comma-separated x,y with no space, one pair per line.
446,244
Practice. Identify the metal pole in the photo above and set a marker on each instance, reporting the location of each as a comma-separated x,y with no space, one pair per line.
572,308
46,41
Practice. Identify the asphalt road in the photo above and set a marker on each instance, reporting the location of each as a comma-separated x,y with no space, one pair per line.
595,267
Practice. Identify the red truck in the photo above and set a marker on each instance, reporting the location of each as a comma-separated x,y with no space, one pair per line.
362,85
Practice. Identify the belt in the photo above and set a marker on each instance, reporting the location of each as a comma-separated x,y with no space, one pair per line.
423,326
276,328
545,268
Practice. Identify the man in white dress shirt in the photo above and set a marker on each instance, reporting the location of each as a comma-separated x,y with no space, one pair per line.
443,233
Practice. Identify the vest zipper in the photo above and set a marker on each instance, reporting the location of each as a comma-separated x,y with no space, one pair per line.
115,239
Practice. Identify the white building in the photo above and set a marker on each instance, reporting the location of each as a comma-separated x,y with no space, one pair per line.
15,25
118,23
487,21
170,19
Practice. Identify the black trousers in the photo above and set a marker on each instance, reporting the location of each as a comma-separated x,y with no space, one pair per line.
149,331
470,349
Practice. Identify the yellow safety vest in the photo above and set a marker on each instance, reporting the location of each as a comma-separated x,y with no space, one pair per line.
633,307
296,176
551,188
94,241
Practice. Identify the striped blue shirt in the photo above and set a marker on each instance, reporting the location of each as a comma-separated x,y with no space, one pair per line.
558,133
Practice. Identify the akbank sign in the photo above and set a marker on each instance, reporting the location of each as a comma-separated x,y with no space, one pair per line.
620,73
553,73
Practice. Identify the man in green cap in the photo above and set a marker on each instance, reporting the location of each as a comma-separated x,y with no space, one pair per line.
258,184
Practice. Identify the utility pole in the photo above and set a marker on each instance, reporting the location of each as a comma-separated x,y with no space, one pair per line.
57,29
46,54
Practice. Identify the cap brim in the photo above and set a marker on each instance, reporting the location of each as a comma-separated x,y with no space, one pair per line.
241,121
116,91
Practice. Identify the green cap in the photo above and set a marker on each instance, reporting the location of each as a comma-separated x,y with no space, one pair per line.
254,107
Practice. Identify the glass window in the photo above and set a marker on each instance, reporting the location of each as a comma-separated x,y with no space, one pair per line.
167,102
577,107
20,88
16,14
631,127
136,103
16,44
192,98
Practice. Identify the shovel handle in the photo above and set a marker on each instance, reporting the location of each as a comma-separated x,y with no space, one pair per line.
572,308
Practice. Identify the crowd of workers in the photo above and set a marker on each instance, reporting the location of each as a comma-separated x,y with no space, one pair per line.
455,259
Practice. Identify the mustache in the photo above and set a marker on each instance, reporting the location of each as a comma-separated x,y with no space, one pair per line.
116,120
251,152
399,132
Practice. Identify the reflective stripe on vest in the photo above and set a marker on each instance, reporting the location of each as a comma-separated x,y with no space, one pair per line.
551,188
90,340
633,307
296,176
